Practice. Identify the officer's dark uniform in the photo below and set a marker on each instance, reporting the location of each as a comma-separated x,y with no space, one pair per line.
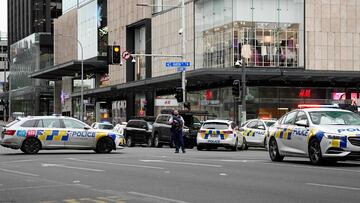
177,132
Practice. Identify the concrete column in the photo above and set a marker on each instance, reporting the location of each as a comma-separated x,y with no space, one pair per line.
57,97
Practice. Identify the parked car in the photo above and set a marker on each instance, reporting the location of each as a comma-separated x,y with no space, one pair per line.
219,133
256,132
162,133
138,131
102,125
35,133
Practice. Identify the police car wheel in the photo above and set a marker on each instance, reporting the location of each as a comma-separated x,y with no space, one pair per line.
130,142
149,141
274,151
105,145
156,141
235,147
315,152
31,146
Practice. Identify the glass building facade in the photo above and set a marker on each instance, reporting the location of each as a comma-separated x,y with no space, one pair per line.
264,33
28,95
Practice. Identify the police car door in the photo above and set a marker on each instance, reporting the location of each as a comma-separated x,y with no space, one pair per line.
50,132
79,137
300,132
249,132
284,133
260,132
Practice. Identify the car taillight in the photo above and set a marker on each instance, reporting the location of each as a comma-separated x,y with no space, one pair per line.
10,132
228,131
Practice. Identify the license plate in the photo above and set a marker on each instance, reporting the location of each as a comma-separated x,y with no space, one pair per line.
214,141
214,135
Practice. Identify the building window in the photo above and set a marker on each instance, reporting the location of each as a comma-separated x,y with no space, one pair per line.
264,33
140,65
158,6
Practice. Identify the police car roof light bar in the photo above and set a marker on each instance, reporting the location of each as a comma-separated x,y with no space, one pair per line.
303,106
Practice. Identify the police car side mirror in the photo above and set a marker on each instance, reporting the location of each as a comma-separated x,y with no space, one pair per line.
302,123
261,127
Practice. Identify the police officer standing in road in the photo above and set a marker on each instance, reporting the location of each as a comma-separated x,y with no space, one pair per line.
177,125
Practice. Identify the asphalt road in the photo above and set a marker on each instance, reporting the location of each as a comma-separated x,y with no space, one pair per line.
158,175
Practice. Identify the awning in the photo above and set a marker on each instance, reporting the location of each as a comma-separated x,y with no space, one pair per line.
207,78
70,69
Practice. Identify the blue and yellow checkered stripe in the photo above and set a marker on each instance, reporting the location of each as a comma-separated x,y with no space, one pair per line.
208,133
283,133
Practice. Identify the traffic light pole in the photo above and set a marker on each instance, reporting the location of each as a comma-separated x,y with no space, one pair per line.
243,94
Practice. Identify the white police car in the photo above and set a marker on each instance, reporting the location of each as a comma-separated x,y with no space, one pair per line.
32,134
255,132
219,133
322,134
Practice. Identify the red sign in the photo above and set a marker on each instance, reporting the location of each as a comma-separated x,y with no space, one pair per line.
126,55
305,93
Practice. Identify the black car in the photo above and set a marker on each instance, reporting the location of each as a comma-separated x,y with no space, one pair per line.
161,127
138,131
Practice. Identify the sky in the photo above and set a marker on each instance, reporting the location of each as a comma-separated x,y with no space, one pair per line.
3,15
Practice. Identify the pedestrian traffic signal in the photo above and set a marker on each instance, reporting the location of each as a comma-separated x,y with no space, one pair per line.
179,94
116,56
236,88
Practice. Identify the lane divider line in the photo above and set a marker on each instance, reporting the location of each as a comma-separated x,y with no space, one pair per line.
157,197
71,167
182,163
334,186
315,167
116,164
19,172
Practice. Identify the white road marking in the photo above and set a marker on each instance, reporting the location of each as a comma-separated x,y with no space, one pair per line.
157,197
315,167
182,163
238,161
334,186
117,164
223,174
34,187
71,167
18,161
19,172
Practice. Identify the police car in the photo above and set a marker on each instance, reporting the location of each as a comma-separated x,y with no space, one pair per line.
322,134
219,133
255,132
32,134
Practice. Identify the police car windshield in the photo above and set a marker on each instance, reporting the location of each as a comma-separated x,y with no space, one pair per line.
334,118
269,123
106,126
213,125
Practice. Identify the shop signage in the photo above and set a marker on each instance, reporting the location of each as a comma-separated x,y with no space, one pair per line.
305,93
166,102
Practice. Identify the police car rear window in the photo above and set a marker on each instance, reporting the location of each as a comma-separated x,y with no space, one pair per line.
29,124
214,125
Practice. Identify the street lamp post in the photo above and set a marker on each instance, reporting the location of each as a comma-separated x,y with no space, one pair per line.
82,77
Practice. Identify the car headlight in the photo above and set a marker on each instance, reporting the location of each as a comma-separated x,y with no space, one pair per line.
332,136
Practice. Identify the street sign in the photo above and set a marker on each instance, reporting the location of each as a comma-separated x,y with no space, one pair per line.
177,64
180,69
126,55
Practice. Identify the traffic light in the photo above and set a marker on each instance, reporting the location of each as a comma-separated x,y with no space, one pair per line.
179,94
236,88
116,56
